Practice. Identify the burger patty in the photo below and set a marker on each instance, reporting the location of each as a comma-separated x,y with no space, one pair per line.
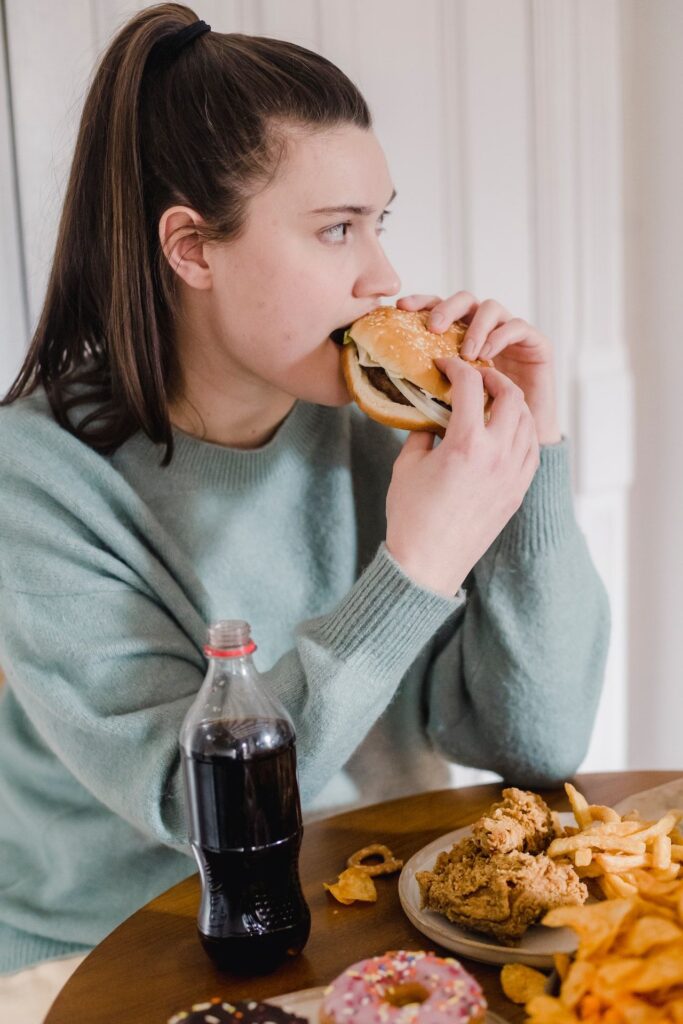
381,382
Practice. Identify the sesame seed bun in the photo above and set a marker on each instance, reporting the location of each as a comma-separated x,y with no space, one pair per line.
402,344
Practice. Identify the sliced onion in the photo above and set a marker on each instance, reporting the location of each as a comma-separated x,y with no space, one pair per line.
418,398
428,406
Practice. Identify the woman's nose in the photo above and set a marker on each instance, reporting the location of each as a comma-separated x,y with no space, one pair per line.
378,276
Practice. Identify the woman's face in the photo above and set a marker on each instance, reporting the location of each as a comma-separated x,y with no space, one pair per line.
310,260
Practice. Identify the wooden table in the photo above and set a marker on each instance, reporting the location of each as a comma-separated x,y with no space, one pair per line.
152,965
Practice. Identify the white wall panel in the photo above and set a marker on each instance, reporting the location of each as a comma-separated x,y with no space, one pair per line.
51,53
497,146
653,59
555,146
340,27
397,49
299,22
13,306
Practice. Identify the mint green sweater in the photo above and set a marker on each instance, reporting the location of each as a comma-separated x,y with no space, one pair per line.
110,570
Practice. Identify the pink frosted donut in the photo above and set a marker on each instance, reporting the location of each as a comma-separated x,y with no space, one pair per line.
404,988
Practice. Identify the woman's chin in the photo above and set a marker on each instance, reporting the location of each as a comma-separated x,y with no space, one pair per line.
321,392
323,382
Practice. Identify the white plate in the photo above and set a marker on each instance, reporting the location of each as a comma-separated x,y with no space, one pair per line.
307,1002
535,948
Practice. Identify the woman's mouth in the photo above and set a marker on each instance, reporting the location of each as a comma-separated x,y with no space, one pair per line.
338,334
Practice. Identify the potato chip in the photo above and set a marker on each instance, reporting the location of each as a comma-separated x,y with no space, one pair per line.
614,976
562,962
353,884
596,924
663,969
547,1010
580,977
648,907
648,931
590,1008
521,983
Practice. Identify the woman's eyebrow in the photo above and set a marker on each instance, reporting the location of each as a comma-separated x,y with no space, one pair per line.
359,211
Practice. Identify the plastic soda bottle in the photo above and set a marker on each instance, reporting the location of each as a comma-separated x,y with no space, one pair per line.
238,753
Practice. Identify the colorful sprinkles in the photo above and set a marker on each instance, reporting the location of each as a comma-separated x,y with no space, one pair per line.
218,1011
376,991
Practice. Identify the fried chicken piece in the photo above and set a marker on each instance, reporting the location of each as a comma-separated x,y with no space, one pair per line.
501,894
499,880
521,821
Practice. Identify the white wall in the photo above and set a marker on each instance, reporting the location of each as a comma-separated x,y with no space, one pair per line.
13,299
653,55
502,123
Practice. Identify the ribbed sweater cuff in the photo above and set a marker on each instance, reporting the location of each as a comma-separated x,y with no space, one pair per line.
19,950
546,516
385,619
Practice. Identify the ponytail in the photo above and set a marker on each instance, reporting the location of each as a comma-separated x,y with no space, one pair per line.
195,128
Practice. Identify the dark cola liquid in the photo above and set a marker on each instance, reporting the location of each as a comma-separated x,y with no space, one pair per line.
245,830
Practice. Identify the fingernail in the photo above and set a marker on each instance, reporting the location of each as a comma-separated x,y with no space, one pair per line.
468,349
437,320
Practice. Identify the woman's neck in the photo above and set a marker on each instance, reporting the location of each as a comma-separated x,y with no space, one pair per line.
235,417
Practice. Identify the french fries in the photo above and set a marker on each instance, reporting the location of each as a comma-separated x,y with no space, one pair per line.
619,851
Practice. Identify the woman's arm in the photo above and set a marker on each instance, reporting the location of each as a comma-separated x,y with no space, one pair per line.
104,653
516,689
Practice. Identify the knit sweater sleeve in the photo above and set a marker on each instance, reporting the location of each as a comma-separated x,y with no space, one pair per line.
101,637
515,689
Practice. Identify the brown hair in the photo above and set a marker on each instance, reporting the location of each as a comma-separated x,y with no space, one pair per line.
204,130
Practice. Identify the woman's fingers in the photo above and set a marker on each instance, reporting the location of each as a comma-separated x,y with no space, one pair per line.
486,318
418,302
510,333
444,312
461,306
507,405
467,399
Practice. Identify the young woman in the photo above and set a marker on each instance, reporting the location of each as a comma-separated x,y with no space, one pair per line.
179,446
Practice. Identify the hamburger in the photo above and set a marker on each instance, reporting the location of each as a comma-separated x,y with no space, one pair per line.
388,363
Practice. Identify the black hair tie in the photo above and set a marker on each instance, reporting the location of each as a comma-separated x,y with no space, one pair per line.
166,49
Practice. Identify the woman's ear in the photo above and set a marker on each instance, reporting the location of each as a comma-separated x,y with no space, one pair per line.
183,247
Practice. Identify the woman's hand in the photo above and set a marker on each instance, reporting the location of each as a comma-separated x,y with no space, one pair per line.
446,505
516,348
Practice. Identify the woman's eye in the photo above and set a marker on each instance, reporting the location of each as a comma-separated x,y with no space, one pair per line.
333,233
337,233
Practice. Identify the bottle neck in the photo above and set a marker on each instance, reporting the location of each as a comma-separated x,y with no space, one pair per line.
221,669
